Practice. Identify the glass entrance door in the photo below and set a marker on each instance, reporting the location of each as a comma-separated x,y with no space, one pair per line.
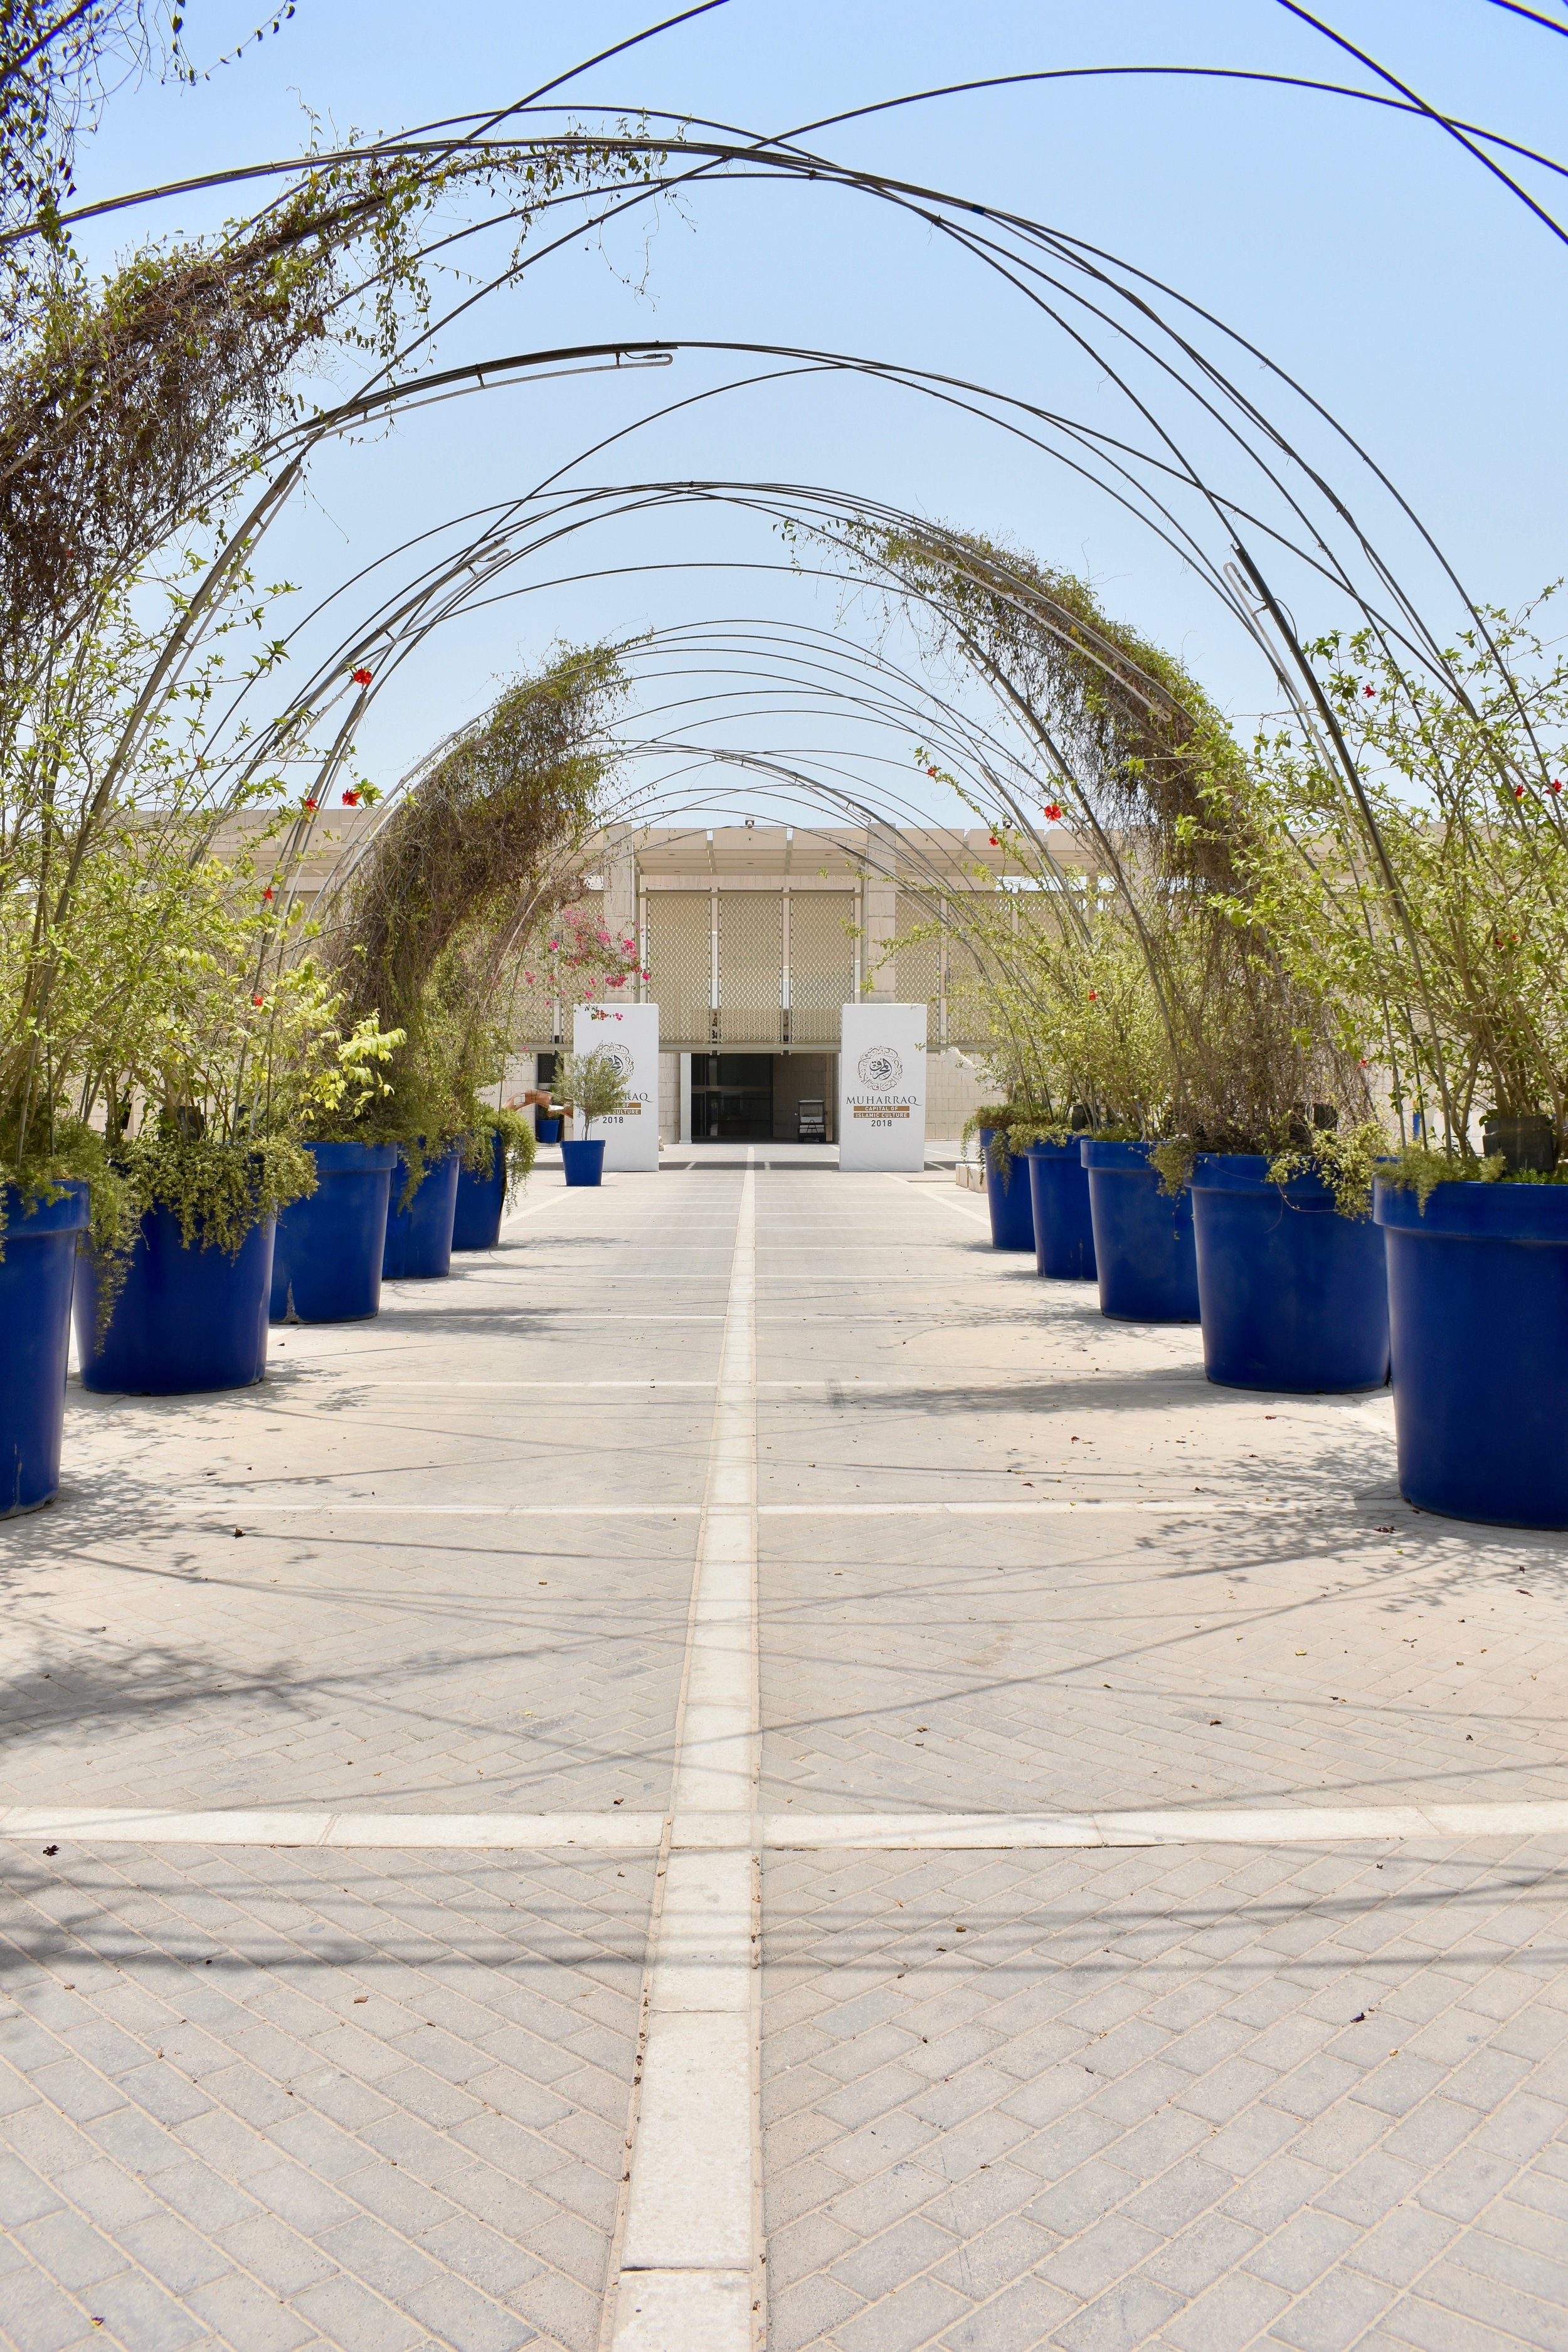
731,1097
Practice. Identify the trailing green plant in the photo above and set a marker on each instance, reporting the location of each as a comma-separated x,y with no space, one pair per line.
518,1143
426,925
134,415
1144,770
1346,1160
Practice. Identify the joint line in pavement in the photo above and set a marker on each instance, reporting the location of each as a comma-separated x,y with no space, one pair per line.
689,2269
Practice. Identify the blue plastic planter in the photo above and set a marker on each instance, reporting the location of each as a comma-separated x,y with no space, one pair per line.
1007,1197
1477,1306
36,1278
584,1162
1295,1297
419,1237
1142,1238
481,1198
1058,1198
547,1131
186,1321
326,1260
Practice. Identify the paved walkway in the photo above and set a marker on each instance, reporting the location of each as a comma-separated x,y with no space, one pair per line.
742,1565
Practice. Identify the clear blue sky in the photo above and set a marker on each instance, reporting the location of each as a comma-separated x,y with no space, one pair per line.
1365,252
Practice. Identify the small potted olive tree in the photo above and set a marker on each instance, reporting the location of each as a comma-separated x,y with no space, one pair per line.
591,1087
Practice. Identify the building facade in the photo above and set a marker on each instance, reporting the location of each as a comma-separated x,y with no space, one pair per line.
757,937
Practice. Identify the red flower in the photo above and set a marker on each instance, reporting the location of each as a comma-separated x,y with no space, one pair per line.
617,979
931,772
312,804
1519,792
258,1000
994,843
1094,995
1557,784
1053,812
350,799
268,892
362,677
1370,692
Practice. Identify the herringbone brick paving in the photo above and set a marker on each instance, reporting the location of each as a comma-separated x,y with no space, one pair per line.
1195,2100
1188,2098
291,2099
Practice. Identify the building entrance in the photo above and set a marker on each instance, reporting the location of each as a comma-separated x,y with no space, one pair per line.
731,1097
762,1098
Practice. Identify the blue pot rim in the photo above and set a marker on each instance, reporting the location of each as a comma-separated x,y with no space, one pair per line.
353,1159
1118,1159
434,1161
585,1143
1069,1151
27,1219
1465,1212
1247,1171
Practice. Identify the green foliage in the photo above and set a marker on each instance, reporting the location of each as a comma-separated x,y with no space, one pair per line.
590,1084
520,1145
1150,989
1415,1168
1428,902
431,924
1347,1162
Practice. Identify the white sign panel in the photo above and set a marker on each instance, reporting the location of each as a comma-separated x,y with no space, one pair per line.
630,1033
882,1088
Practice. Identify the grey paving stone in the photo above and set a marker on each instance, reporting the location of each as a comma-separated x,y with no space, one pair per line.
291,2221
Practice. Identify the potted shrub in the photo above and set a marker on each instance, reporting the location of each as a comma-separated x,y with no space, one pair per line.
591,1087
1436,811
504,1146
330,1243
1007,1175
427,922
176,1298
43,1224
1162,799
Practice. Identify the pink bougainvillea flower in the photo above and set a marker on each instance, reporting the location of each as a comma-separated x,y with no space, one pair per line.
362,677
1054,812
556,943
617,979
528,976
350,799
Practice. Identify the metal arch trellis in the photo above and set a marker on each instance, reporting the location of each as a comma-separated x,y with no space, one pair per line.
1086,294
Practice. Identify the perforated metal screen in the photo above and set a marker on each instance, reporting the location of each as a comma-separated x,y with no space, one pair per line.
821,964
680,958
751,967
917,968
